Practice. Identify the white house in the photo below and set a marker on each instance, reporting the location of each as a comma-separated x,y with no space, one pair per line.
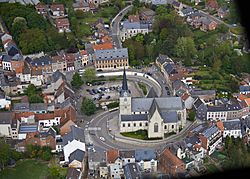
146,159
5,102
8,125
232,128
127,156
71,147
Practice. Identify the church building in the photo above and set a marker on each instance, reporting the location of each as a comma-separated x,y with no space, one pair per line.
157,115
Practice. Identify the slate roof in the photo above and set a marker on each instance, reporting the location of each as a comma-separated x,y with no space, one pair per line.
73,173
6,117
38,107
190,141
210,131
127,153
151,93
77,155
163,58
169,68
57,75
134,25
45,60
198,102
169,117
111,54
224,107
21,107
232,125
202,92
132,171
97,155
144,155
75,133
244,88
159,2
187,10
134,117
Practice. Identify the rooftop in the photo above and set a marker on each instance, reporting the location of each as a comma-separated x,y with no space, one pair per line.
132,171
111,54
144,155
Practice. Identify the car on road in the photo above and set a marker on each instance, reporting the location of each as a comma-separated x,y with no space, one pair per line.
108,97
102,139
166,88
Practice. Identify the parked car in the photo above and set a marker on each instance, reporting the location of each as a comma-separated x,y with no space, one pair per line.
102,139
166,88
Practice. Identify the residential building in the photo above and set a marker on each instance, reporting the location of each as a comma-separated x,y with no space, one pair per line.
103,46
223,12
200,109
132,171
187,11
147,16
103,170
65,127
207,24
26,128
146,159
211,4
156,115
85,57
111,59
188,101
177,6
73,173
5,101
206,95
114,162
9,126
96,157
63,25
81,5
232,128
59,63
41,8
127,156
70,60
179,149
57,10
77,159
43,64
130,29
171,164
244,89
210,138
134,18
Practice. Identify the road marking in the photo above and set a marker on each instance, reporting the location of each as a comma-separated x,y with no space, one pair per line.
93,129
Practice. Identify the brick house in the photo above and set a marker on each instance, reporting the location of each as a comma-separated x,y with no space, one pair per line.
62,25
43,64
70,60
207,24
57,10
171,164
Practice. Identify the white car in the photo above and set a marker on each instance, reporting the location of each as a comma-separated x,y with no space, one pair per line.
102,139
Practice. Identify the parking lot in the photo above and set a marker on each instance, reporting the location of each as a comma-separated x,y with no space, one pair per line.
107,91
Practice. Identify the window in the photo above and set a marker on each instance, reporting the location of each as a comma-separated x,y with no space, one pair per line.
123,125
140,124
134,124
165,127
156,127
146,124
172,126
128,124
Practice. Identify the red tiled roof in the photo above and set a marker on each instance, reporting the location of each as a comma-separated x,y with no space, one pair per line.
83,52
220,125
174,160
104,46
133,18
44,116
57,7
185,96
212,4
112,155
40,6
62,22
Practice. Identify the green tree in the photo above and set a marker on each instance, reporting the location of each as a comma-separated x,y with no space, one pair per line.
191,115
5,154
88,107
89,75
185,48
76,81
34,94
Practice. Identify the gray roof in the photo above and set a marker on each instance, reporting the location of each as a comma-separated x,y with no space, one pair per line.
159,2
144,155
26,128
177,84
111,54
73,173
45,60
51,132
166,103
132,171
190,141
6,118
127,154
202,92
244,88
21,107
77,155
224,107
97,155
164,58
206,20
232,125
169,68
198,102
134,117
6,58
75,133
151,93
187,10
38,107
169,117
134,25
57,75
210,131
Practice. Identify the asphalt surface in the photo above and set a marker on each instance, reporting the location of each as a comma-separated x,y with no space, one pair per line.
115,26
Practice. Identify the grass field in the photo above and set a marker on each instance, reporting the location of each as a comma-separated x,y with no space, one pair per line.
141,134
26,169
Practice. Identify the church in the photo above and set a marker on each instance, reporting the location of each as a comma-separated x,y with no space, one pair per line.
157,115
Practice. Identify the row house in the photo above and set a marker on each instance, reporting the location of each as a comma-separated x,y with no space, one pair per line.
57,10
9,83
111,59
43,64
230,128
70,60
84,57
59,63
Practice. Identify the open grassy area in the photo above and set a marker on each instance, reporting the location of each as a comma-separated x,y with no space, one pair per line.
237,30
141,134
143,87
28,169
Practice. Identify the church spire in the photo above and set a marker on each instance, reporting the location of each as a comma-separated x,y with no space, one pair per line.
124,81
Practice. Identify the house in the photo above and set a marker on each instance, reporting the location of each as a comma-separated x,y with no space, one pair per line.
211,5
207,24
178,148
9,126
63,92
171,164
146,159
85,57
179,88
43,63
96,157
41,8
132,171
81,5
65,127
78,61
127,156
157,115
103,170
77,159
244,89
187,11
206,95
194,19
111,59
159,2
9,82
6,62
131,29
161,60
188,100
5,101
62,25
114,163
73,173
72,141
177,6
147,16
26,128
222,12
210,138
70,60
57,10
133,18
232,128
59,63
200,109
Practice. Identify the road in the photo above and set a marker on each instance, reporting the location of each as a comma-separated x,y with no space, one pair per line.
115,26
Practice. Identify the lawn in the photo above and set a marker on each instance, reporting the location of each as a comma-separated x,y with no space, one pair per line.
237,30
141,134
28,169
143,87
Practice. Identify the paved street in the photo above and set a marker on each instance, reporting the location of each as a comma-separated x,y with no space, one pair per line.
115,26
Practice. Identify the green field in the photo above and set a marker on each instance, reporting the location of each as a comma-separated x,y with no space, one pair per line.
26,169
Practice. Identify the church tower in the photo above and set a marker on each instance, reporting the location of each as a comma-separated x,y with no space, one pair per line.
125,97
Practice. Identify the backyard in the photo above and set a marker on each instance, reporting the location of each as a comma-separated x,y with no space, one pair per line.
28,169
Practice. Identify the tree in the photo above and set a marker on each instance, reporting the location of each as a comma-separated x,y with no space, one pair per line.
34,94
185,48
76,81
216,65
191,115
89,75
88,107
